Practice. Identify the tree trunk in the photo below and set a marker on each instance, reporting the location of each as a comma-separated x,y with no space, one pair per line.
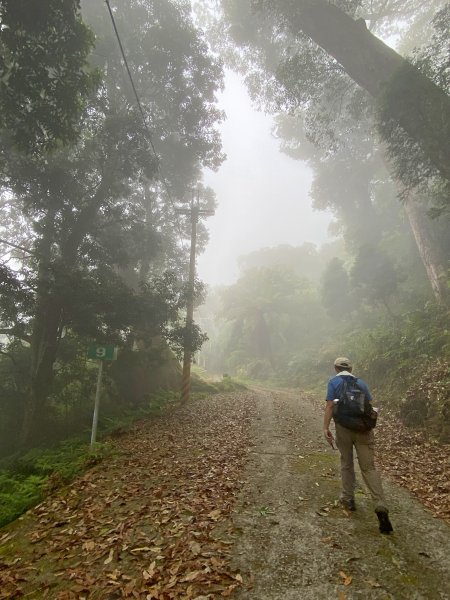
145,260
422,229
44,336
404,94
44,346
361,219
427,246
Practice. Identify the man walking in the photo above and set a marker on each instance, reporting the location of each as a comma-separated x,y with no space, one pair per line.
363,441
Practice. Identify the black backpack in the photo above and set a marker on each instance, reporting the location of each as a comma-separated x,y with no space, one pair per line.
353,410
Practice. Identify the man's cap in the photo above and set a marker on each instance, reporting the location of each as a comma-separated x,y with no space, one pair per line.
343,362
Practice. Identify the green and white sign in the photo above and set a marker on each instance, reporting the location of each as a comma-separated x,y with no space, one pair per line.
99,352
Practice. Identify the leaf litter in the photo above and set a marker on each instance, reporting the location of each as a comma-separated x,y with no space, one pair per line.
416,462
152,523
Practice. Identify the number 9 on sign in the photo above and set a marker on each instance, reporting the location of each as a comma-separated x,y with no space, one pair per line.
98,352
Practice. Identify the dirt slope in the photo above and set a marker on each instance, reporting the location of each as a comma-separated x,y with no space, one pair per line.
231,496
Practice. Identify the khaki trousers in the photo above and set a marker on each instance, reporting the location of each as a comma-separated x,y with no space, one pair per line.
364,444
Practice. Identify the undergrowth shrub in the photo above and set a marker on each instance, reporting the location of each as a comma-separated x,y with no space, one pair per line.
427,401
387,356
25,479
17,494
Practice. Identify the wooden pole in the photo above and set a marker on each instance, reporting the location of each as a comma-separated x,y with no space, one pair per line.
187,357
194,212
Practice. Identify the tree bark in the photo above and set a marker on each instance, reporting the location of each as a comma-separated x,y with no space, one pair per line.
400,90
44,336
426,244
44,346
422,229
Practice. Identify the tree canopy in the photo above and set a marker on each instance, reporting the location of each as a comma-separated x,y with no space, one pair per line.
45,77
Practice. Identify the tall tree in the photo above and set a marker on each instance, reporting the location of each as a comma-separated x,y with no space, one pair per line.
336,292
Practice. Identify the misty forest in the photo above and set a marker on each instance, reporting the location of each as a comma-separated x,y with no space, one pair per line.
164,432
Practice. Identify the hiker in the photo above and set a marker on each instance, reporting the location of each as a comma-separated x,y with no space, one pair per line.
349,404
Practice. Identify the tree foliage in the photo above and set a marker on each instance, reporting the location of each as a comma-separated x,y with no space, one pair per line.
294,58
98,215
44,73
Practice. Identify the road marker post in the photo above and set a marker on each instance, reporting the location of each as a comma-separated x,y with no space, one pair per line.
100,353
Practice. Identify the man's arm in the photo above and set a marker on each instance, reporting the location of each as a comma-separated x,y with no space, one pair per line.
327,420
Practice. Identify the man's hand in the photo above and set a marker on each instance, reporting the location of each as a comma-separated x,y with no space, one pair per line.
329,437
326,423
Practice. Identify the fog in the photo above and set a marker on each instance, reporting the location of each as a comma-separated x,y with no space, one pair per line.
262,194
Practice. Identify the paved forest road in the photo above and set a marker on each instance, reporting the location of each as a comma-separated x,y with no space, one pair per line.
297,545
229,496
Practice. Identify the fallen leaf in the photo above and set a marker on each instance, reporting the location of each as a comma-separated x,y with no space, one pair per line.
191,576
143,549
88,545
214,514
347,579
195,548
150,572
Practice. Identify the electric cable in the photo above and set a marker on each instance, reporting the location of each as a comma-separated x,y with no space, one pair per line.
2,241
144,119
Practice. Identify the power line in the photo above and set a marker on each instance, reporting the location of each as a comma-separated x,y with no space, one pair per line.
144,119
31,252
122,51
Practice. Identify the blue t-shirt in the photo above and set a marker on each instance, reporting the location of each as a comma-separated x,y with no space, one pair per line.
335,383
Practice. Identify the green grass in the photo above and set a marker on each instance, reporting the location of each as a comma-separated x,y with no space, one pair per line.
202,383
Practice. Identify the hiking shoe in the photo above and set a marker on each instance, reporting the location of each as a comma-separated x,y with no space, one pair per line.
348,504
385,524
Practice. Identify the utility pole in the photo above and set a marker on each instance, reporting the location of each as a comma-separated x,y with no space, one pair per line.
194,212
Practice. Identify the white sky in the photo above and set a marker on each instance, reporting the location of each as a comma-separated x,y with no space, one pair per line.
262,194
